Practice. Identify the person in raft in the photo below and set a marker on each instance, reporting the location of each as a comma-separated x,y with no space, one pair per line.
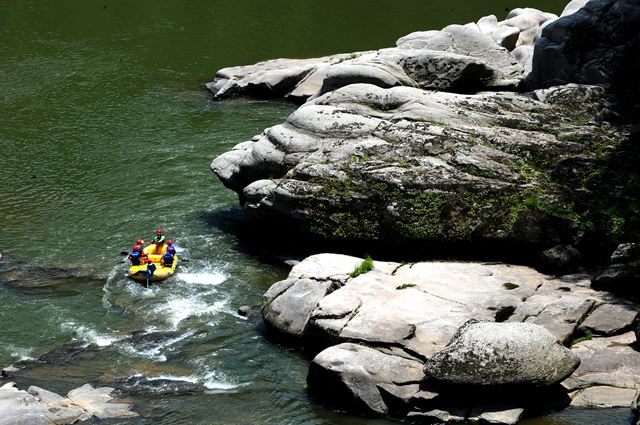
167,258
150,268
135,256
159,239
143,256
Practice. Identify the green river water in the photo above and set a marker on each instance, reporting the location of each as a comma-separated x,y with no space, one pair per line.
105,134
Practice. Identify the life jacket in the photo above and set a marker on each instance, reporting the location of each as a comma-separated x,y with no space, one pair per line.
135,258
151,268
167,259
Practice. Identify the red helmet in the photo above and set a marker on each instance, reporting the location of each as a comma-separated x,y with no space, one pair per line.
159,231
169,242
136,248
139,242
149,260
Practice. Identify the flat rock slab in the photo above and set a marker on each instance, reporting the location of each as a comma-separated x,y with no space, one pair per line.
603,397
612,361
610,319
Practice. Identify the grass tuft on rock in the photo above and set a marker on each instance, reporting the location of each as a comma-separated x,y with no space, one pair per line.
365,266
587,337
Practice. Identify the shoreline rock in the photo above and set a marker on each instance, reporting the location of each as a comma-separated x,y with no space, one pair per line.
39,406
410,312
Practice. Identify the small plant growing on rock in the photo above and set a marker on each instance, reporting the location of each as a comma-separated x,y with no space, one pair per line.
365,266
587,337
405,286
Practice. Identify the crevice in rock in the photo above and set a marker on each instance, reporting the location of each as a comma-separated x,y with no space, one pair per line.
504,313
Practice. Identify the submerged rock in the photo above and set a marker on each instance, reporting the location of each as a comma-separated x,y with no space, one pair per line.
493,354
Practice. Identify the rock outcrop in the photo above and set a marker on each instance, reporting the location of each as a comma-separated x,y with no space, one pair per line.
39,406
459,58
405,164
598,44
410,312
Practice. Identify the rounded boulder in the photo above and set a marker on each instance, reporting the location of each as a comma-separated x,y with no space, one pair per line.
492,354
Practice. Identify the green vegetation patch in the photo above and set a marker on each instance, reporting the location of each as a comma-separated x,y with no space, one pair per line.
588,336
365,266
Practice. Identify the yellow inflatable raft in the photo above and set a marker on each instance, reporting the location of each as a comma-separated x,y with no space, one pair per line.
155,253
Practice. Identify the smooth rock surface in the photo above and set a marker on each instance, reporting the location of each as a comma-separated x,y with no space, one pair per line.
39,406
612,361
610,319
492,354
604,397
348,375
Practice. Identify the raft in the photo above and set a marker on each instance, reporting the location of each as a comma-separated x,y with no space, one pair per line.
155,253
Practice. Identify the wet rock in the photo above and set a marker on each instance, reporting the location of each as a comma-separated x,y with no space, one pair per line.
8,372
39,406
492,354
140,384
348,375
610,319
67,353
561,259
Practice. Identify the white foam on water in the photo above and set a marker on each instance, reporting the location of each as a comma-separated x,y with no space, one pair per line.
214,383
89,335
202,278
179,309
192,379
19,353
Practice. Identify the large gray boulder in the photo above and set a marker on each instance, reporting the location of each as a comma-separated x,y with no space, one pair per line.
348,375
493,354
406,164
598,44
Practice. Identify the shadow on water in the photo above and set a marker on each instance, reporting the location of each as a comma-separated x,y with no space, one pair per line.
273,241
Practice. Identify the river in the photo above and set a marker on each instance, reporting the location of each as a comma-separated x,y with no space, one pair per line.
106,134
